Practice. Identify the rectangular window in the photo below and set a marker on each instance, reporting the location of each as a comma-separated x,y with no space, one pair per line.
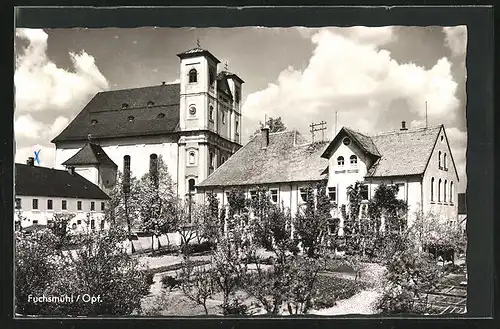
364,192
332,226
92,206
102,206
35,203
64,205
332,193
35,222
79,205
79,222
92,224
102,224
303,194
18,203
401,191
49,205
223,117
253,195
274,196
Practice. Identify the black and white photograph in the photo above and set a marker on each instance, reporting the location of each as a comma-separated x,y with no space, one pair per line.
244,171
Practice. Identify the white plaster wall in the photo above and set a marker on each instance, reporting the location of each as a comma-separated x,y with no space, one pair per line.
90,173
139,149
446,211
42,214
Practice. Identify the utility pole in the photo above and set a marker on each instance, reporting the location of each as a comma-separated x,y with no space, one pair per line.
321,128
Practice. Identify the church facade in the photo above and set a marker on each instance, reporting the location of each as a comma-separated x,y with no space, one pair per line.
194,126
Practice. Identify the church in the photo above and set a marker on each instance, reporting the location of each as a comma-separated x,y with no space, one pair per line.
194,125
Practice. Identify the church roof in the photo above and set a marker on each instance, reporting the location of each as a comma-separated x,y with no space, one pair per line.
90,154
196,52
404,152
42,181
282,161
142,111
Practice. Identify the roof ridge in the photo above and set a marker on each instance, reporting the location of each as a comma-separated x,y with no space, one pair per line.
411,130
143,87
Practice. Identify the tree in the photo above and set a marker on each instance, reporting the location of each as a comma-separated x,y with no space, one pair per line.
100,268
410,274
156,201
262,209
35,268
197,284
59,228
275,125
312,221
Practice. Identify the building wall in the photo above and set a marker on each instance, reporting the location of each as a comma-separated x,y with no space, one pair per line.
138,148
90,173
445,209
43,214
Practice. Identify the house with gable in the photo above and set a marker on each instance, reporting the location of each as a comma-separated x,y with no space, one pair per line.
419,161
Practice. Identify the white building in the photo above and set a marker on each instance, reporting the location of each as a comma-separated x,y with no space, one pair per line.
193,125
43,192
419,161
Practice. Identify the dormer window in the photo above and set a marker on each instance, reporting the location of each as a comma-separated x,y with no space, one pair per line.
124,105
193,76
94,122
150,103
161,115
353,159
340,161
130,118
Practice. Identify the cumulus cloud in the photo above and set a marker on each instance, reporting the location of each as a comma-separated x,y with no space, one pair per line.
350,72
45,91
456,39
46,156
41,85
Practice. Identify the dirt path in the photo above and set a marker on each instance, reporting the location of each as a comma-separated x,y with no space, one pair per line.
361,303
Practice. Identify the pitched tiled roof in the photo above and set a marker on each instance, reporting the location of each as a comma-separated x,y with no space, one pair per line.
104,117
403,152
280,162
195,52
90,153
41,181
365,141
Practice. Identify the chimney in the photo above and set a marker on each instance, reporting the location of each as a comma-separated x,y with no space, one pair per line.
265,136
403,126
163,83
71,170
31,162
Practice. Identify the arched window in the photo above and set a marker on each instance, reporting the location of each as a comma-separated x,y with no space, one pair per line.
237,126
444,190
444,162
192,158
439,190
432,189
211,113
212,157
439,155
193,76
451,192
340,161
353,159
153,168
191,183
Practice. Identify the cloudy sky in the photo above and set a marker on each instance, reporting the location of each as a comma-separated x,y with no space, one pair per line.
373,77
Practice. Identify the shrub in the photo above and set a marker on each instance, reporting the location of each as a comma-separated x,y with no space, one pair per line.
149,277
331,289
205,246
234,308
170,282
